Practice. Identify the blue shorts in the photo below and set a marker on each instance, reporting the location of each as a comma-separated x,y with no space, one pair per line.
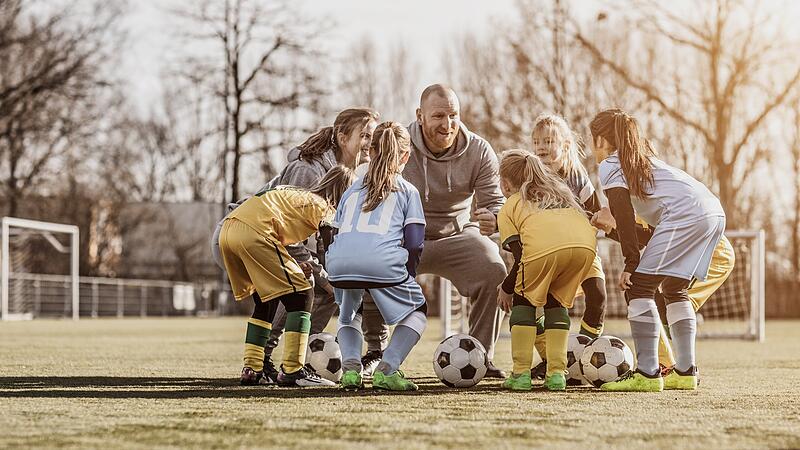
395,303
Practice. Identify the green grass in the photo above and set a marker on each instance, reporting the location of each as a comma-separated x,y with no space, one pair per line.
174,383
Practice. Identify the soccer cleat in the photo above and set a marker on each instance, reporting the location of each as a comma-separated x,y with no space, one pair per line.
556,382
370,361
664,370
493,372
685,381
394,382
540,371
635,381
521,382
250,377
302,378
269,370
351,381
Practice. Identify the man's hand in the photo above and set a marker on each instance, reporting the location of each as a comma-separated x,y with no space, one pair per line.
625,281
487,221
604,220
504,301
307,268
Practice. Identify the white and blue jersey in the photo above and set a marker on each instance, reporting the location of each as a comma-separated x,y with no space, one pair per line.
368,246
688,219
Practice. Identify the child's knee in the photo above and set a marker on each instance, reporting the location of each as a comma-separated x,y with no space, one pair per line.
523,315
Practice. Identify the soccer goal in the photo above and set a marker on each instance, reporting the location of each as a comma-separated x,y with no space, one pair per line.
33,255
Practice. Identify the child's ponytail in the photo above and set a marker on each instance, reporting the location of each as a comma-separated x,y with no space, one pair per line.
390,141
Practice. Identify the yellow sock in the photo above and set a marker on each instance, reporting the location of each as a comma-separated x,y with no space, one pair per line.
295,341
591,331
556,350
522,338
254,343
665,356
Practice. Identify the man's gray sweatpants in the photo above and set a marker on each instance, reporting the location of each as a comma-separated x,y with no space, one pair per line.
473,264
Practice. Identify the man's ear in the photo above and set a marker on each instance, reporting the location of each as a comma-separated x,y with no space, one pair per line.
419,115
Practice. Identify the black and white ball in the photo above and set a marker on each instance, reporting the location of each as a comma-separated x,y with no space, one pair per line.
575,346
324,356
460,361
605,359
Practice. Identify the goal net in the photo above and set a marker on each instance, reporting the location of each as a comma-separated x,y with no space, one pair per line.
38,269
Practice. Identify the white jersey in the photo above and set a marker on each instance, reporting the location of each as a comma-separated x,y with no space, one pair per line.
580,185
676,197
368,246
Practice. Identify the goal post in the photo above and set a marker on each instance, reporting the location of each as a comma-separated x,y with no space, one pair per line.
12,226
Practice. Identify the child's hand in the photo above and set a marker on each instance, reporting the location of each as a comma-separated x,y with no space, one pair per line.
604,220
625,281
504,300
486,221
307,268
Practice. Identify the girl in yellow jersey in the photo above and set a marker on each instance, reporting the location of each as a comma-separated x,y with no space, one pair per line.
554,247
253,244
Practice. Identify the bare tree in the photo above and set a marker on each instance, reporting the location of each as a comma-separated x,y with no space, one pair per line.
262,66
744,70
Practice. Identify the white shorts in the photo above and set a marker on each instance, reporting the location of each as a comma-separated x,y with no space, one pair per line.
682,251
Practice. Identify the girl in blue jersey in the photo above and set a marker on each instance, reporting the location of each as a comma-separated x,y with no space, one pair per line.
688,221
379,233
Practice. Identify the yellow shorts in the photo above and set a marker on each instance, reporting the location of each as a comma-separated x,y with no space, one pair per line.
560,274
722,262
596,271
256,264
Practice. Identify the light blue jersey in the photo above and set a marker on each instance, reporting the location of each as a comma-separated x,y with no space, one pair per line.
368,246
676,197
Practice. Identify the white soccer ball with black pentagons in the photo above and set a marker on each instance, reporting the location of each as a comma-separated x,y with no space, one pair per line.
575,346
460,361
324,356
605,359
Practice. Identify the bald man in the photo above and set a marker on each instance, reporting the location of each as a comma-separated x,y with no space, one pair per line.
450,165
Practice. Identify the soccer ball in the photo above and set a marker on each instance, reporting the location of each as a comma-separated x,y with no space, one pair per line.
460,361
605,359
324,356
575,346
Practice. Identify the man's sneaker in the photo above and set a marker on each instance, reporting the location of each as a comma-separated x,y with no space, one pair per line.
250,377
636,381
540,371
351,381
685,381
394,382
370,361
302,378
521,382
493,372
556,382
269,370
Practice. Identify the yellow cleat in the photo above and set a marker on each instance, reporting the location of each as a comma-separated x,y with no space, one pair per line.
635,382
684,381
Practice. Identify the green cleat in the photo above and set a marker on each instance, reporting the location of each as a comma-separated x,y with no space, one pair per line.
351,381
556,382
684,381
521,382
394,382
635,382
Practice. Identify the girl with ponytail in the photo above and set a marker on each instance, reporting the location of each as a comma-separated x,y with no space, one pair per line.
554,247
688,221
380,229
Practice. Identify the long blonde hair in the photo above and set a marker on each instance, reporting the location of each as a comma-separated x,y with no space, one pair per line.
389,143
571,163
537,183
333,185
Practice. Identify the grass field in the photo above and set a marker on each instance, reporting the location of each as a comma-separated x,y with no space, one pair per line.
174,383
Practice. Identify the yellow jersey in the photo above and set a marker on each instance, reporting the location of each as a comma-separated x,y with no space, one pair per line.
285,214
543,231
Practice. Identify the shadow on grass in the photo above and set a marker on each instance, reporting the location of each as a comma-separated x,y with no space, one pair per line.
186,387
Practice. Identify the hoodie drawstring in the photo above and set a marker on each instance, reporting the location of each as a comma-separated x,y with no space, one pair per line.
425,175
449,171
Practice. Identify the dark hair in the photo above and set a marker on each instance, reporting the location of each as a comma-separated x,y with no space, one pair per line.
324,139
622,132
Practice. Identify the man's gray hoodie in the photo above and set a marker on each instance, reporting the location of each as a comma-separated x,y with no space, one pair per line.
448,182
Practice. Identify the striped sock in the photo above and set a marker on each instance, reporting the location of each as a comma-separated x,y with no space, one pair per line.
556,328
588,330
298,323
523,336
254,342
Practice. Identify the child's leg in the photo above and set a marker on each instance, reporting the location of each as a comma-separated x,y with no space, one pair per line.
298,323
405,336
351,341
682,321
556,326
665,356
595,291
258,329
644,320
541,342
523,334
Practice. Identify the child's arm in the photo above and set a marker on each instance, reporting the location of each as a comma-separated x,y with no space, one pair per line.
515,247
619,201
413,242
